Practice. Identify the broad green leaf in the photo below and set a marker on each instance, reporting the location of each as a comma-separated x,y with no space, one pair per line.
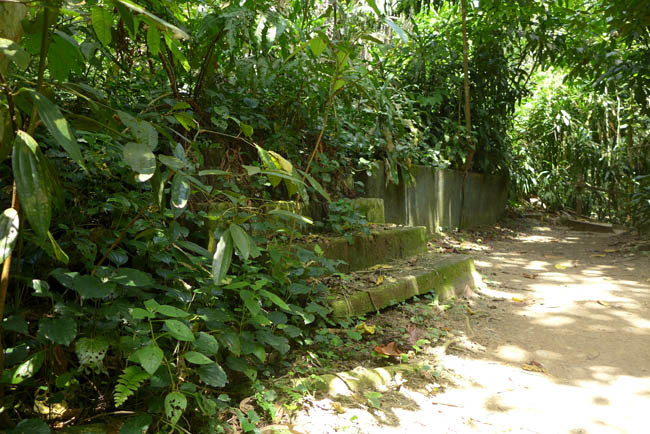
60,330
338,84
31,426
397,29
175,404
142,131
317,45
193,247
241,239
137,424
150,358
158,187
15,52
132,277
174,48
15,323
129,22
281,162
102,21
139,313
186,120
374,7
9,225
91,351
171,311
30,174
179,330
141,160
290,215
153,40
197,358
274,299
250,347
212,375
64,56
171,162
178,33
222,257
180,191
206,344
316,185
281,344
28,368
246,129
57,251
212,172
90,287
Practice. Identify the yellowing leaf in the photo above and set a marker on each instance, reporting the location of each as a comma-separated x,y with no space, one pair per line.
560,267
470,311
610,250
518,299
380,267
598,255
380,279
364,328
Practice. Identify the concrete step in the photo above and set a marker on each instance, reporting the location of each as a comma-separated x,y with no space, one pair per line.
381,246
444,275
588,226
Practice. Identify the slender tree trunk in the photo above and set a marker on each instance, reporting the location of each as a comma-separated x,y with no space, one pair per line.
468,115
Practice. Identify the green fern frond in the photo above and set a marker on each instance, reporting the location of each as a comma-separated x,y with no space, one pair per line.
128,383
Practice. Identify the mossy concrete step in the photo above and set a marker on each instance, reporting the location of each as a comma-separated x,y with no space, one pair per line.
584,225
446,277
381,246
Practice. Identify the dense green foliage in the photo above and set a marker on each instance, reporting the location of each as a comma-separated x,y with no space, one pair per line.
144,148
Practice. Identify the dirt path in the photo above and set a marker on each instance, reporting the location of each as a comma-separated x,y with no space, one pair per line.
575,305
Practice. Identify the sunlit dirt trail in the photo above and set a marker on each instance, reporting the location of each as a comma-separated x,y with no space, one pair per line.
573,304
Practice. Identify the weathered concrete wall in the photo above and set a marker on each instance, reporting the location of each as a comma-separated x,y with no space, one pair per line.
435,199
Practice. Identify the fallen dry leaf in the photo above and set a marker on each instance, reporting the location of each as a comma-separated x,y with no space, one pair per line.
390,349
552,257
337,407
597,255
602,303
530,276
610,250
533,366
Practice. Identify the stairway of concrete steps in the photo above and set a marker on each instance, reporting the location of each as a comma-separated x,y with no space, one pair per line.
411,268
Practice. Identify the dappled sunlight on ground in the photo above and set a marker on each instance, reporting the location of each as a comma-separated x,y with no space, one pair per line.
558,341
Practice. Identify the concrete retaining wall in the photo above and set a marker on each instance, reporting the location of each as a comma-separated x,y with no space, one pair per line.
435,199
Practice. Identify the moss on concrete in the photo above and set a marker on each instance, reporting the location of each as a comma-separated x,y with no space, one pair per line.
371,208
379,247
448,277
